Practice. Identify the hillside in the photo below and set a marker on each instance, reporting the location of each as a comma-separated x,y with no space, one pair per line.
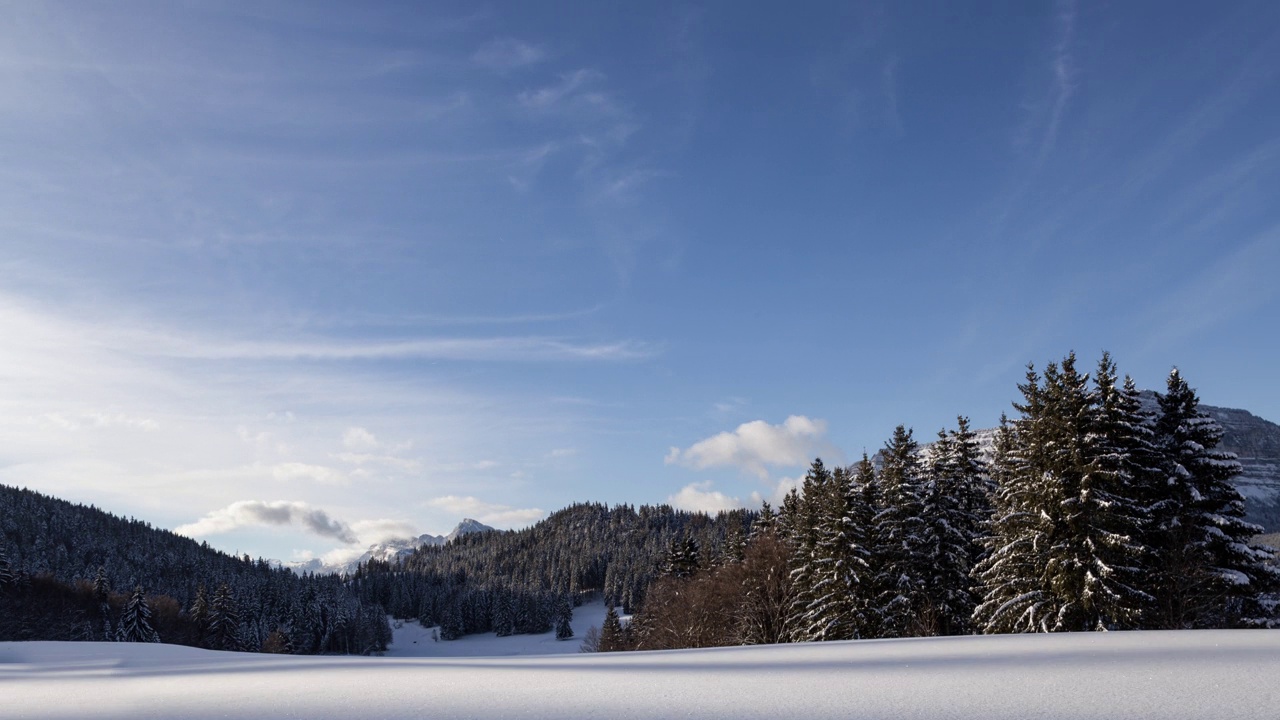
73,567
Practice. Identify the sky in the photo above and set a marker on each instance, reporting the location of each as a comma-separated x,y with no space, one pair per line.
296,277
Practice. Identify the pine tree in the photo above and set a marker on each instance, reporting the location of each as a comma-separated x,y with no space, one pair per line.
840,573
135,623
1010,576
564,618
1209,573
950,500
803,519
682,559
899,531
1107,514
199,615
611,635
224,621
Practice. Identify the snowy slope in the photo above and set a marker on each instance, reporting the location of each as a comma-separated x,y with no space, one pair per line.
1198,674
412,640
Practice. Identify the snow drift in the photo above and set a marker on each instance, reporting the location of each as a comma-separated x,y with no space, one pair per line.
1190,674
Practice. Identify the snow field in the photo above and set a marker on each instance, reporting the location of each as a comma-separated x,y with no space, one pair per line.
1201,674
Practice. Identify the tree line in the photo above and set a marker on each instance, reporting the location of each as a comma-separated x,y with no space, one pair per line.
1090,511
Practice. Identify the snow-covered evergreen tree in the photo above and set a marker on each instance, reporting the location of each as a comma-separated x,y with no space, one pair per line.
952,505
899,531
1010,576
802,522
135,622
1209,573
224,621
564,618
839,574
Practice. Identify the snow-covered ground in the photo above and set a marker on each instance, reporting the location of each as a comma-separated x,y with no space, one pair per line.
413,640
1207,674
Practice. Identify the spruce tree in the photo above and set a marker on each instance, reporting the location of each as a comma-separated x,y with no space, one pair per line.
899,532
950,530
803,521
1108,513
611,634
1209,573
564,618
224,621
1010,576
840,575
199,615
135,622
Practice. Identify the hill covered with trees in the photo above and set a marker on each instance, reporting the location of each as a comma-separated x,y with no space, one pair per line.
73,572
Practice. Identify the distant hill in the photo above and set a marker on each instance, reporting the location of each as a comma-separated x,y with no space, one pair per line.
54,553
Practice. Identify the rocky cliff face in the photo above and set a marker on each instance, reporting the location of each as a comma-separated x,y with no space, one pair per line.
1255,441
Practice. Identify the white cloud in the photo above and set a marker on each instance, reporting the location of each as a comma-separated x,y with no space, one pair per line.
755,446
303,471
382,530
504,54
357,438
699,497
488,513
251,513
779,492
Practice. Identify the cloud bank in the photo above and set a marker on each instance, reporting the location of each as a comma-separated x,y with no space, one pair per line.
699,497
755,446
250,513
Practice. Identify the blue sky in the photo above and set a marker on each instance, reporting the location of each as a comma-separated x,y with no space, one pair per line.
296,277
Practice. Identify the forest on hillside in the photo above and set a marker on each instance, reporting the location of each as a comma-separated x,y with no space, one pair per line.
74,572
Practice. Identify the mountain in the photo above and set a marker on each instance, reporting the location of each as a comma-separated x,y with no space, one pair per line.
389,550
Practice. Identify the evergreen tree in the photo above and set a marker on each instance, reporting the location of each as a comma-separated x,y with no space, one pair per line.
224,621
1107,515
1010,575
135,623
840,573
802,526
612,638
951,528
682,558
564,618
199,614
102,594
1209,573
900,536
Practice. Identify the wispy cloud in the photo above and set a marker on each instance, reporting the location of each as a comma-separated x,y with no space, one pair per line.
495,514
568,87
506,54
1063,75
756,446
